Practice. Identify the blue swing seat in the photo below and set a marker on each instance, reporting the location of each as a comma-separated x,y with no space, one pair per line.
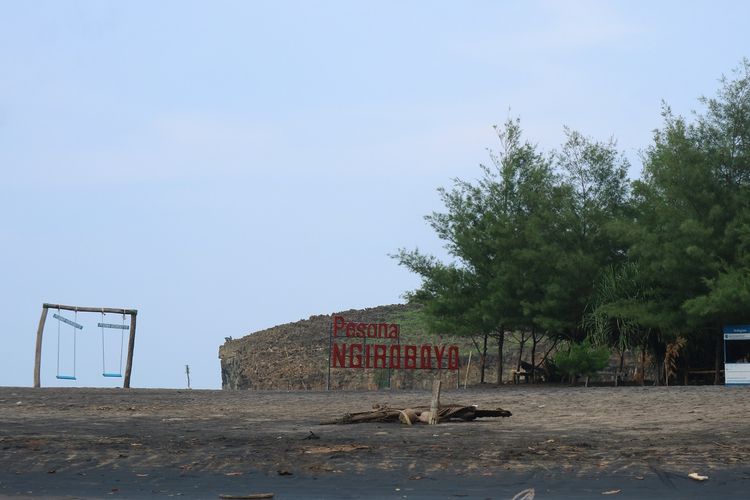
66,377
108,374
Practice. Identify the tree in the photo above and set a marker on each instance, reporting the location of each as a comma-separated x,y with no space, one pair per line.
596,197
563,245
529,242
690,234
486,227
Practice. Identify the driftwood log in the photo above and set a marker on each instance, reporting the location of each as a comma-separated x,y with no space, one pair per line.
388,414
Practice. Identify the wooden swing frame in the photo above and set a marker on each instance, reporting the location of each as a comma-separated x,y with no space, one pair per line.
133,313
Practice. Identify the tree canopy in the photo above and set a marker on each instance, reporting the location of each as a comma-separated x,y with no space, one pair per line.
565,244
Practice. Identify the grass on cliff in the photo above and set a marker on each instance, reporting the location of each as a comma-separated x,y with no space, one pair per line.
414,330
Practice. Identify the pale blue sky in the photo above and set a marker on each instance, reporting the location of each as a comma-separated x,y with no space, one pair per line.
227,166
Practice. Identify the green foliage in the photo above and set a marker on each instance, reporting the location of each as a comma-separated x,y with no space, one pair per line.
528,241
582,359
415,330
620,317
691,235
562,243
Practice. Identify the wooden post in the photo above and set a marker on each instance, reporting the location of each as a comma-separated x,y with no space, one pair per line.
131,345
38,356
63,307
435,403
330,346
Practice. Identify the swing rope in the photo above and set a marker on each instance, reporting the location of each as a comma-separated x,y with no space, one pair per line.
58,343
74,325
104,325
104,365
122,338
75,320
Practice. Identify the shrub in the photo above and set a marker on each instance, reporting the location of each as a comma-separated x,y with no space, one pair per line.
582,359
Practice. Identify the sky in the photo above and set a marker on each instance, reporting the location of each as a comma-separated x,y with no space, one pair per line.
227,166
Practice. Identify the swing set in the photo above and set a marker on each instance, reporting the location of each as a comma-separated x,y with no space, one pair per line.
75,327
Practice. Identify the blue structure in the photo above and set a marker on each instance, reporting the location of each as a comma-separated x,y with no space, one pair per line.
737,355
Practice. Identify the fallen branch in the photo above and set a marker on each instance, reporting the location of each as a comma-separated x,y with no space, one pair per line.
446,412
251,496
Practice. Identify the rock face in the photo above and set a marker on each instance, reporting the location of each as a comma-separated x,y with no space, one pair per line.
294,356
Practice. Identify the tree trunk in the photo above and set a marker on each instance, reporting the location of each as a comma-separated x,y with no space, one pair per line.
500,344
479,354
534,341
717,357
484,359
643,365
619,368
660,368
546,354
521,344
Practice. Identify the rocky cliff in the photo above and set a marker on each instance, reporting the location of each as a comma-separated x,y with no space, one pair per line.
295,355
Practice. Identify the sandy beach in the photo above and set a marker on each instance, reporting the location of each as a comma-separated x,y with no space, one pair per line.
564,442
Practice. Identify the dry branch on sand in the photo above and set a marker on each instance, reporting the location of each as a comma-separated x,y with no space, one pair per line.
383,413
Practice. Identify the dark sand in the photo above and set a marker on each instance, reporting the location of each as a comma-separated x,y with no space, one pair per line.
563,442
